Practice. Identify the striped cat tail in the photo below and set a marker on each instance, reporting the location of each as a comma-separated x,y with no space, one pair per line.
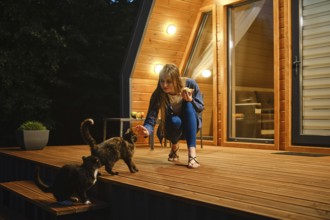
85,134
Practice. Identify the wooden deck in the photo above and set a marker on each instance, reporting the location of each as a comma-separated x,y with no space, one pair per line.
246,182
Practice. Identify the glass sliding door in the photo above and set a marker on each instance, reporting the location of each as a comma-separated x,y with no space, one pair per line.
251,72
311,72
200,68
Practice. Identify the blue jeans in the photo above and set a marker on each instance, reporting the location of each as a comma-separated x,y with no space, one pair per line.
182,126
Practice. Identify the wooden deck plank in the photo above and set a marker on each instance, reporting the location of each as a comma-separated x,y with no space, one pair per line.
263,182
248,186
238,193
213,200
268,179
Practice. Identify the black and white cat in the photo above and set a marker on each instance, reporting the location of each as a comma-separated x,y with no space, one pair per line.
72,181
113,149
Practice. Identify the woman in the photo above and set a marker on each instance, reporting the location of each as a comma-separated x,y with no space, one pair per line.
179,108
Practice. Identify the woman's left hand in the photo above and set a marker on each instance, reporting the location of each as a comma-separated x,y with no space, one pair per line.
186,95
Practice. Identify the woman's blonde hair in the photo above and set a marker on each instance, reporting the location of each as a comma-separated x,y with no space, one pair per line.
173,71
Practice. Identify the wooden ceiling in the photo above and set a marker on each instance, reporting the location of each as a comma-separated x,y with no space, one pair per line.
157,46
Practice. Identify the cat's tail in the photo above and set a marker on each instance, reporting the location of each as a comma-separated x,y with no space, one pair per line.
86,135
39,182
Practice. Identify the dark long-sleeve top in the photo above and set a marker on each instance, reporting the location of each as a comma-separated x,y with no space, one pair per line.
152,115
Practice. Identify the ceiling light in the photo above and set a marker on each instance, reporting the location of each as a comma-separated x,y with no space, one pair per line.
206,73
158,68
171,29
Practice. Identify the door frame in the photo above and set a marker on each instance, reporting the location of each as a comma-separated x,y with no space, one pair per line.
223,79
296,137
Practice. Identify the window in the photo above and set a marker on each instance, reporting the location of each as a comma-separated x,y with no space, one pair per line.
251,72
200,61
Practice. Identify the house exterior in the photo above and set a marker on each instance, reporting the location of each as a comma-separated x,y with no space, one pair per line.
268,61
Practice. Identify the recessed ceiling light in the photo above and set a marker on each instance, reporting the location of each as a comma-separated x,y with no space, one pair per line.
171,29
206,73
158,68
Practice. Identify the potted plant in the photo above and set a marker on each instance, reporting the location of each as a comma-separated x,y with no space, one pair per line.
32,135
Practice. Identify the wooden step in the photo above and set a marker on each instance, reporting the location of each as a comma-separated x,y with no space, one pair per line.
27,191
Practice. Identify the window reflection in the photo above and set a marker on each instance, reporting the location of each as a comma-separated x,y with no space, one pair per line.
200,68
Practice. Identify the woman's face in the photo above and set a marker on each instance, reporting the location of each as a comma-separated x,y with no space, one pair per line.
167,84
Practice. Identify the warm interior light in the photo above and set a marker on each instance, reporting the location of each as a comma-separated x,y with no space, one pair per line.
206,73
158,68
171,29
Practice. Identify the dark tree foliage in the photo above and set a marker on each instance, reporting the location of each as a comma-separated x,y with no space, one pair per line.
60,62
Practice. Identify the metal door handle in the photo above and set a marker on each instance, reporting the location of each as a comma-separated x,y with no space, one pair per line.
296,64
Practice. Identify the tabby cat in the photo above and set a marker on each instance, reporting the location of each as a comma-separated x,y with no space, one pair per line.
111,150
72,181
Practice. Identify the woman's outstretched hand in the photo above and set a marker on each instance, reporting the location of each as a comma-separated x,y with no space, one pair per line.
141,130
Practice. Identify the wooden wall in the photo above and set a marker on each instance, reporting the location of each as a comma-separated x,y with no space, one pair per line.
282,79
207,90
160,48
283,86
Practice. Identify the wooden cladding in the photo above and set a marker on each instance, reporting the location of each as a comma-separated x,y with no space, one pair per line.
141,93
157,47
160,48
